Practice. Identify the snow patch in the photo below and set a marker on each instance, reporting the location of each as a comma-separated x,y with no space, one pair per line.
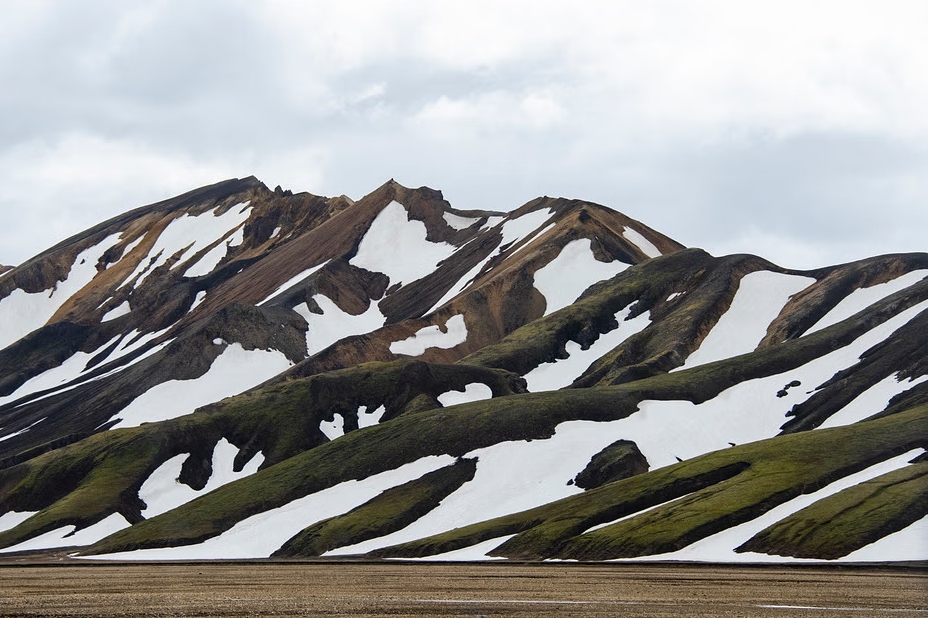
392,229
475,391
292,281
760,297
563,371
432,337
646,246
260,535
562,280
672,296
906,544
162,492
235,370
476,552
200,297
458,222
861,298
871,401
515,230
22,312
66,536
11,519
117,312
333,429
369,419
334,324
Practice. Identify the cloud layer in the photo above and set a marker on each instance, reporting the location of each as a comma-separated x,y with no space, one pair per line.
795,130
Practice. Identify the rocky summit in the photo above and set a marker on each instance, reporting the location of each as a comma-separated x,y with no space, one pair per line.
244,373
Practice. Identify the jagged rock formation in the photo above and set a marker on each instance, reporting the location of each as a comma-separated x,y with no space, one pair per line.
396,377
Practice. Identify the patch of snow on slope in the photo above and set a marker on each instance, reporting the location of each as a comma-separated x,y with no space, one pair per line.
117,312
190,234
514,230
208,262
56,376
11,519
720,547
461,285
760,297
861,298
333,429
22,312
369,418
292,281
562,280
432,337
871,401
234,371
67,537
473,553
646,246
910,543
200,297
746,412
475,391
334,324
397,247
563,371
21,431
511,477
260,535
162,492
458,222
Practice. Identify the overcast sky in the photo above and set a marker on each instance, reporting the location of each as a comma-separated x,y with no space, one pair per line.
793,130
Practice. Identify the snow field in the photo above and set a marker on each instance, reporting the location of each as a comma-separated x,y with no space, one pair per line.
333,429
760,297
260,535
720,547
188,234
392,228
334,324
515,230
861,298
21,431
432,337
472,553
162,492
22,312
563,371
208,262
67,536
646,246
562,280
235,370
475,391
369,418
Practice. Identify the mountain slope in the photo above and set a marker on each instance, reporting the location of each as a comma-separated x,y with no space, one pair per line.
418,380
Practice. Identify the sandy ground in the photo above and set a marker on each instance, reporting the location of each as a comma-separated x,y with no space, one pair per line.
404,589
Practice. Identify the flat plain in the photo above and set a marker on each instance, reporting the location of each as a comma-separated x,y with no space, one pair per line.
418,589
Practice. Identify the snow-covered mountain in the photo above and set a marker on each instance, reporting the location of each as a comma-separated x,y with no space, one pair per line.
239,372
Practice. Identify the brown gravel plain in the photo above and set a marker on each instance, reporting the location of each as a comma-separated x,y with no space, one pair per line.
416,589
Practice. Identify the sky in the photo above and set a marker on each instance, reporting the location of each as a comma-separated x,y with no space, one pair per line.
793,130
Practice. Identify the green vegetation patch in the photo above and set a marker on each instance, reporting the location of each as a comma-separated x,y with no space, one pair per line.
848,520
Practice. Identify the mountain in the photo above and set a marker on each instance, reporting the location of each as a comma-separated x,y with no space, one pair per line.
239,372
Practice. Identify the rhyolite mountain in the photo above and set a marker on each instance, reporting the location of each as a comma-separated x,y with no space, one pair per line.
238,372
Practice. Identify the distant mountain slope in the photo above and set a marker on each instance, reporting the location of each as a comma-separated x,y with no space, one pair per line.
559,381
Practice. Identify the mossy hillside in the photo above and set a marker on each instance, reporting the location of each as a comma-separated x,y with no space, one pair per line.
435,432
456,431
84,482
844,522
709,493
392,510
781,468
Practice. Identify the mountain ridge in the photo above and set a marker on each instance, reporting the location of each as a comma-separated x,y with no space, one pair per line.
342,375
